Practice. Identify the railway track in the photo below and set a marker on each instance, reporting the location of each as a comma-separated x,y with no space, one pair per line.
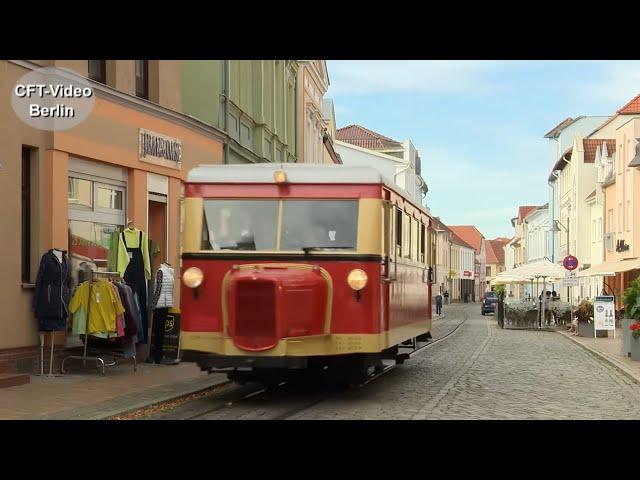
285,399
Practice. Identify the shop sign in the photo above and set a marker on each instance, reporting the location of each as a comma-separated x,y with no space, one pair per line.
171,344
604,313
467,273
160,149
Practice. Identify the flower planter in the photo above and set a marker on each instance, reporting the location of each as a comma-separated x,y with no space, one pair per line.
626,336
586,329
634,348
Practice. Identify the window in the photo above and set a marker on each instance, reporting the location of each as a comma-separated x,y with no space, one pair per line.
98,70
628,212
240,224
488,272
423,241
142,79
610,220
406,240
26,215
398,232
252,225
80,193
96,217
620,217
322,224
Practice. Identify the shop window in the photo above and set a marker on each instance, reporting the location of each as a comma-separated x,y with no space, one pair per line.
142,79
110,198
98,70
96,217
80,193
26,214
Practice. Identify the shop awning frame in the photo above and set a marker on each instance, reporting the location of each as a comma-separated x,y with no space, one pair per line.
610,269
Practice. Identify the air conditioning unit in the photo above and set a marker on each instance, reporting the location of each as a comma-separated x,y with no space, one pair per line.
609,240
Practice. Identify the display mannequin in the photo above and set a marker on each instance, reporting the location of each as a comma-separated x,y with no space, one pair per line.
162,300
135,267
51,296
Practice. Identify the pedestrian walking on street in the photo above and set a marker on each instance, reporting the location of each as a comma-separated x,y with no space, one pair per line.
439,304
446,296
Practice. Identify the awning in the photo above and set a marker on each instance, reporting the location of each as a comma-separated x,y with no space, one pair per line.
609,269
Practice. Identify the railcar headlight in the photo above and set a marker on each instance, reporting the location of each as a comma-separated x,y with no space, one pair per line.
357,279
192,277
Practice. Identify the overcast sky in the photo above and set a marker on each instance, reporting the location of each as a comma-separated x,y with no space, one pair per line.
479,125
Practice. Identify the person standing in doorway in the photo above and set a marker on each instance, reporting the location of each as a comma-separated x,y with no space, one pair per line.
446,296
439,304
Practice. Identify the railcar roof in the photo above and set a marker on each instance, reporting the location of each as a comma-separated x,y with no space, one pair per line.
296,173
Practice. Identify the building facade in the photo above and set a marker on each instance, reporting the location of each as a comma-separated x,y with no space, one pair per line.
253,101
75,189
398,161
495,258
313,83
472,237
560,138
620,185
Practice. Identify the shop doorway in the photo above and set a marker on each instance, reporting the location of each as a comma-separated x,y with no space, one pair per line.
157,230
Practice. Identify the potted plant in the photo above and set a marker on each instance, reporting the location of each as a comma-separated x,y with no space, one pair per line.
631,320
584,315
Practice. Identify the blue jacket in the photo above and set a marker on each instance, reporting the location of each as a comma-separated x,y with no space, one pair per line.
52,294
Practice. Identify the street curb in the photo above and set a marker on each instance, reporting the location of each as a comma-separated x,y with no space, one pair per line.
603,356
161,400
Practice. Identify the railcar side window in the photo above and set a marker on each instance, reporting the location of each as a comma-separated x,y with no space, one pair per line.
423,236
319,224
240,224
398,245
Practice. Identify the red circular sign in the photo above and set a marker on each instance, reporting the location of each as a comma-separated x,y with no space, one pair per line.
570,262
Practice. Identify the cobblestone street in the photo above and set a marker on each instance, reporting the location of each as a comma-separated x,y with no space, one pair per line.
478,372
484,372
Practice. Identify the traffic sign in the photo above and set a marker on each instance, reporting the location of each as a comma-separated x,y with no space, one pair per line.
570,280
570,262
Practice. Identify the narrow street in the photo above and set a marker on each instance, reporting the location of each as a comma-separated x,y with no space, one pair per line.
478,372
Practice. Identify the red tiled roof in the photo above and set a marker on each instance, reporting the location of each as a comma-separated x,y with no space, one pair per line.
453,238
495,252
633,106
525,210
591,144
363,137
470,235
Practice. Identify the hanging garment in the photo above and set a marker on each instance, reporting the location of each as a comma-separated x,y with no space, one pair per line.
51,295
78,307
104,306
112,256
163,292
135,275
133,238
131,313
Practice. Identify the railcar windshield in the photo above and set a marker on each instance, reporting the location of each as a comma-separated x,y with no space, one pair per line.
305,225
240,224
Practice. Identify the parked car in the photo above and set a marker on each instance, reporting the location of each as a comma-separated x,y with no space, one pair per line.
489,303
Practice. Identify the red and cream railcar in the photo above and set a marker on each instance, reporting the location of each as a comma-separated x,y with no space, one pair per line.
293,266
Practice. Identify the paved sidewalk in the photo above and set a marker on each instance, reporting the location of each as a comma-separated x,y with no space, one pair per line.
87,395
609,349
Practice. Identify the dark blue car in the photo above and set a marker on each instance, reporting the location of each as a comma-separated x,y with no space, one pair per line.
489,303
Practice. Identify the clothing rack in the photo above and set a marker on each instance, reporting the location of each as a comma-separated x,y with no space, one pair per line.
98,357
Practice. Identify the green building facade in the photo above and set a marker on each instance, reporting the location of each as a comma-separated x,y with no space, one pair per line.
254,101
